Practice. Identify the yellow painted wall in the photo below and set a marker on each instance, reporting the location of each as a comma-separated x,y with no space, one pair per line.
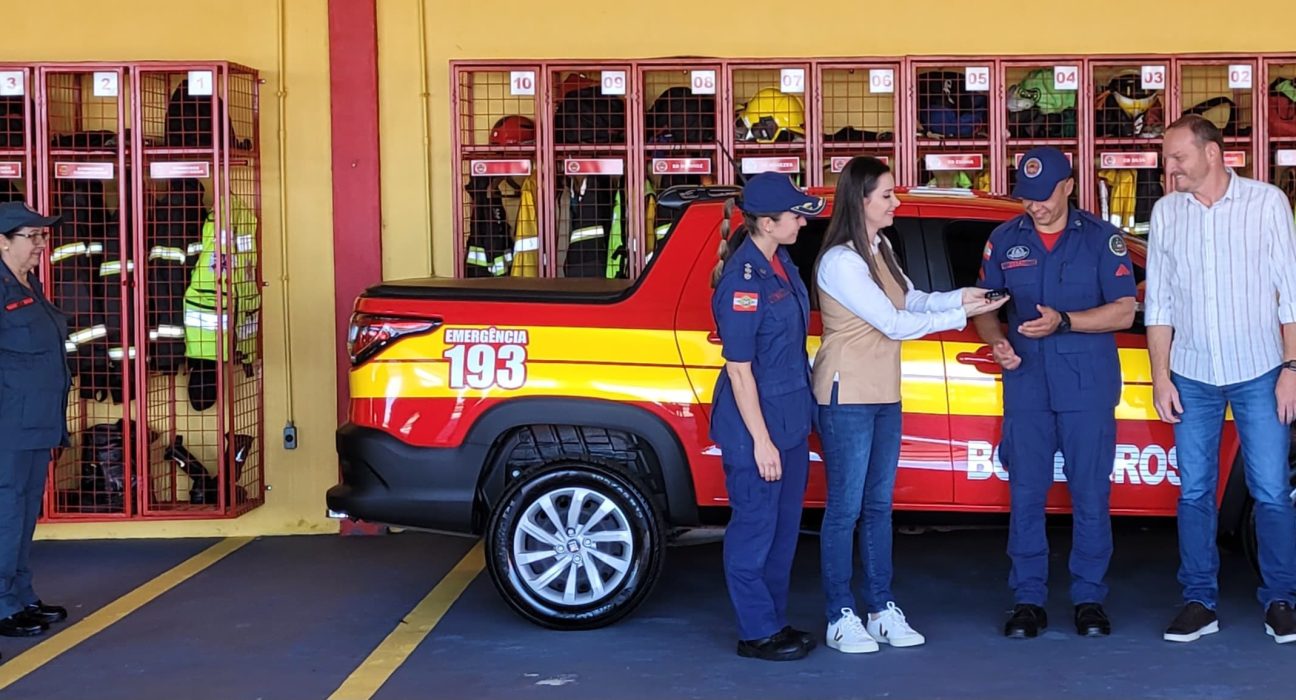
243,31
598,29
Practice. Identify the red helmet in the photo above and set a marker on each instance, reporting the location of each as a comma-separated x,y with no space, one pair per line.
513,130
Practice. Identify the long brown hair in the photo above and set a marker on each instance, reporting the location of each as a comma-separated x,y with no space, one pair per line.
858,181
731,242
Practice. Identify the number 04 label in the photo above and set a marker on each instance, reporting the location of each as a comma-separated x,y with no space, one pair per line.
481,358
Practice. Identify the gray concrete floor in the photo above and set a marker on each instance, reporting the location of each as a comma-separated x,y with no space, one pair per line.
293,617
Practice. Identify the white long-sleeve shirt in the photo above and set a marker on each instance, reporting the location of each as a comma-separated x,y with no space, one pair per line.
844,275
1224,277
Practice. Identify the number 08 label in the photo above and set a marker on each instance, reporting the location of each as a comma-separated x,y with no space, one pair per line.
481,358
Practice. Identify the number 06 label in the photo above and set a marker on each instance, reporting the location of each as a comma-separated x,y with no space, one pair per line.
481,358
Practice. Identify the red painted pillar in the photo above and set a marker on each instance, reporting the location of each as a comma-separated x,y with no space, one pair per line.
357,200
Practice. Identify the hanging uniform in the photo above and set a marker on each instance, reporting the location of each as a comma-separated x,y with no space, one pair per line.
591,202
76,256
618,262
490,242
118,313
1116,196
1063,394
526,233
223,296
174,241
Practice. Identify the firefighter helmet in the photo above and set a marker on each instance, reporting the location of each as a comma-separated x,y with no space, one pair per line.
771,116
513,130
1130,94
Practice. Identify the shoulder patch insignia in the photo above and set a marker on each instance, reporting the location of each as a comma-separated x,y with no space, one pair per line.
747,271
1117,244
1018,252
745,301
989,249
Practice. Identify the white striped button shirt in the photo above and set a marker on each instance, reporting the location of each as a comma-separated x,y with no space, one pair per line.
1224,277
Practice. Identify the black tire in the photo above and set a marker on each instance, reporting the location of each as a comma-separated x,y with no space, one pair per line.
631,516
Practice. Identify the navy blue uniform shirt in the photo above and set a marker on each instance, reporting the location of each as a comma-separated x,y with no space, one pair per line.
1088,267
34,378
764,320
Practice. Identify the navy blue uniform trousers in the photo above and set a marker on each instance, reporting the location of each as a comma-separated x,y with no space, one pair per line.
1088,442
761,538
22,484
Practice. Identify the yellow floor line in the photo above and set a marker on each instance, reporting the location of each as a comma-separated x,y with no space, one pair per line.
16,668
371,674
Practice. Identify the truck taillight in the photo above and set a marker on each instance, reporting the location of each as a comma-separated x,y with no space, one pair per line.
370,333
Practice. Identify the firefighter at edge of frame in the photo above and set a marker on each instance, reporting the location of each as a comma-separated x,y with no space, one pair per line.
763,409
1072,287
33,407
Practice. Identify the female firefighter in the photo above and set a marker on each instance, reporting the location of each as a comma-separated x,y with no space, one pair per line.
762,411
868,306
34,383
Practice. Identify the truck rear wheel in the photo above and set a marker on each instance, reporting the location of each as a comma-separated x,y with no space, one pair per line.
574,545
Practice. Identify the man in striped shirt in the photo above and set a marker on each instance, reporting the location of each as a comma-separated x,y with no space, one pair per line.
1221,327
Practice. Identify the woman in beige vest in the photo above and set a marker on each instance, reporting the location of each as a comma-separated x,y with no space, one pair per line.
868,307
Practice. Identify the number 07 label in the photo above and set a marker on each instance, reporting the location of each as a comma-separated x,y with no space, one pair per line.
481,358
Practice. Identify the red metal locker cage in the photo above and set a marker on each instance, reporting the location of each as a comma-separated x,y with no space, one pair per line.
1039,105
1132,103
197,284
856,113
496,140
82,128
682,110
590,130
17,150
951,123
769,128
1224,90
1277,122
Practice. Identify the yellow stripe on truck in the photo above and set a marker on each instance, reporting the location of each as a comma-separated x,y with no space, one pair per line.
431,379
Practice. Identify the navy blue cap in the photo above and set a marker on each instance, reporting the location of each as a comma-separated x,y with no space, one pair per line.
774,193
16,215
1041,169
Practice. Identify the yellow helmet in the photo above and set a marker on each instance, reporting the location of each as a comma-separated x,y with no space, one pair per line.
771,116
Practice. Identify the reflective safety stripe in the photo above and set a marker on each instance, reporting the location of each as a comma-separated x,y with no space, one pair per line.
119,353
86,335
477,256
94,249
195,248
497,267
114,267
662,230
248,327
583,234
69,346
64,252
166,332
244,244
165,253
204,320
523,245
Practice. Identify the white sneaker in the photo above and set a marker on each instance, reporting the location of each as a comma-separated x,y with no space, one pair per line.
848,635
891,628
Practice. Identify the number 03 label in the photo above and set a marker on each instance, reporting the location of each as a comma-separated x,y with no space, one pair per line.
481,358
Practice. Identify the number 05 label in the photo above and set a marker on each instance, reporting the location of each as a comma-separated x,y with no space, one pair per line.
481,358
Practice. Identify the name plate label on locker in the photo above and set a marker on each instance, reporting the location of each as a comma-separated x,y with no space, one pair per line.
11,170
1240,76
167,171
507,166
594,166
1017,158
1153,77
1235,159
771,164
83,171
1066,77
954,161
977,78
1285,157
687,166
838,163
1128,160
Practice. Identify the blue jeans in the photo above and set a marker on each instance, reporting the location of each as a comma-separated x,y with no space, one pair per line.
861,451
1265,443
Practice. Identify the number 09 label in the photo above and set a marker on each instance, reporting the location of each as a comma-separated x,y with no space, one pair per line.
481,358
